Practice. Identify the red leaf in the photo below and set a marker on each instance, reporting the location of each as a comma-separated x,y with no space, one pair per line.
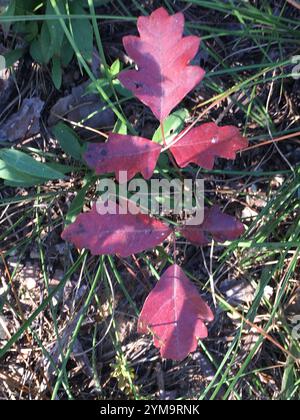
112,234
219,225
175,313
162,55
124,153
202,144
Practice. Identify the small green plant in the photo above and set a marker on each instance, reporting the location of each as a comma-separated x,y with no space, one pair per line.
45,39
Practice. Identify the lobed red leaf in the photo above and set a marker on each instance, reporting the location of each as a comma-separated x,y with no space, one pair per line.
201,145
121,234
175,313
164,76
123,153
220,226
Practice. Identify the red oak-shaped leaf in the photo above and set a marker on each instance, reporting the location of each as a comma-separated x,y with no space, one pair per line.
201,145
123,153
110,234
164,76
175,313
220,226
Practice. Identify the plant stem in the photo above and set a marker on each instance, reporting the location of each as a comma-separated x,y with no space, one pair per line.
169,153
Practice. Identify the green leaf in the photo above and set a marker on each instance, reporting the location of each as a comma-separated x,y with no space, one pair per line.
22,184
288,380
64,169
121,90
68,140
13,56
115,68
11,175
173,125
40,48
45,44
56,72
36,51
82,31
103,84
164,162
55,29
68,54
120,128
30,29
24,163
289,376
78,202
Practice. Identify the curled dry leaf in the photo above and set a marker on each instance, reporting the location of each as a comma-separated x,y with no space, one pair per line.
25,122
238,291
121,234
176,314
84,107
164,76
201,145
220,226
124,153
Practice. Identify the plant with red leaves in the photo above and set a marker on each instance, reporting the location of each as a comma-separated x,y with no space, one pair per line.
174,311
